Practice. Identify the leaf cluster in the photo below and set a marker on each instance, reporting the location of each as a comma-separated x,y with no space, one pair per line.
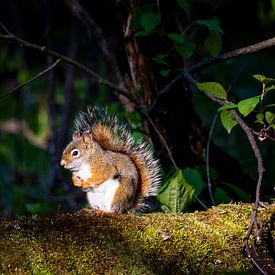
147,21
246,106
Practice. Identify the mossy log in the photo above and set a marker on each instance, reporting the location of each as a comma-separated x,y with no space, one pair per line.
207,242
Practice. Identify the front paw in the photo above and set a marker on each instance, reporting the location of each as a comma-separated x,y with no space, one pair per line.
86,186
77,181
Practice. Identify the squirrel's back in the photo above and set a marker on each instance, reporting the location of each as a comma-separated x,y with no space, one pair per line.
115,136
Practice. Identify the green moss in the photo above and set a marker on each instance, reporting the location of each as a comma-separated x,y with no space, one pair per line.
207,242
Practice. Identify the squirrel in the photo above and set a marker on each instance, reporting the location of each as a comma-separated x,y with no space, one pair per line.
116,171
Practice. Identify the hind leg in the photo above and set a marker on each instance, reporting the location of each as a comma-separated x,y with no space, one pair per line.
123,200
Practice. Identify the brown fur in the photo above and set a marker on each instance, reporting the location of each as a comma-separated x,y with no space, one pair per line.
103,151
105,137
104,165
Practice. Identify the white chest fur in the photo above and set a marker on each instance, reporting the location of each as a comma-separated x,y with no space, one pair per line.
101,196
84,172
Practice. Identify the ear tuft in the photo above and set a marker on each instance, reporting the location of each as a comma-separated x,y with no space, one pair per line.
76,135
87,137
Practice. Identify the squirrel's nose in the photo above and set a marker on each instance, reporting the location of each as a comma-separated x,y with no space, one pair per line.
63,162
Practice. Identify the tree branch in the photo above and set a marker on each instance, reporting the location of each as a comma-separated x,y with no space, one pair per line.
17,88
233,54
215,60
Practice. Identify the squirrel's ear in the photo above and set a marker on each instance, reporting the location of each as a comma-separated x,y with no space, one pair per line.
76,135
87,137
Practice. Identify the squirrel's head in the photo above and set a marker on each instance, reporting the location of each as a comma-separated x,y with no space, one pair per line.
77,151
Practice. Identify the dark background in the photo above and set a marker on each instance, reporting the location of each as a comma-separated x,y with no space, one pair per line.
36,123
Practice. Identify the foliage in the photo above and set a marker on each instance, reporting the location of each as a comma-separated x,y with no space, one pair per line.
245,106
179,189
182,187
213,88
176,192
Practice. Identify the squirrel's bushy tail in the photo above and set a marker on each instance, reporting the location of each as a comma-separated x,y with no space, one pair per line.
113,135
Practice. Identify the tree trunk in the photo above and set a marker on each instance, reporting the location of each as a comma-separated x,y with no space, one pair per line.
173,114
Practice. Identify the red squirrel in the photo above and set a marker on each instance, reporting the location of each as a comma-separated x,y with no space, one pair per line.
116,171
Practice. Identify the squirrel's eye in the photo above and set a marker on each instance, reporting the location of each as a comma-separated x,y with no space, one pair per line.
75,153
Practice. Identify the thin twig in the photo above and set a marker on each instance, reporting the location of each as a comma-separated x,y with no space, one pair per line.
246,239
4,28
207,158
11,37
263,135
17,88
249,133
162,139
256,150
234,79
200,202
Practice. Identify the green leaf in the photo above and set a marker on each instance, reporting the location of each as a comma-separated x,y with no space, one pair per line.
150,21
186,49
165,73
262,78
248,105
184,4
176,193
270,88
134,119
212,172
269,117
259,117
23,76
193,177
176,37
269,105
161,58
214,43
212,88
142,33
138,13
228,106
220,196
212,25
259,77
228,121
